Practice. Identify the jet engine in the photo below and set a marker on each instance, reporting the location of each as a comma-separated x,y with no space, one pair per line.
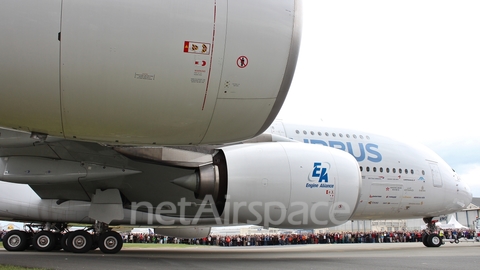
137,72
284,184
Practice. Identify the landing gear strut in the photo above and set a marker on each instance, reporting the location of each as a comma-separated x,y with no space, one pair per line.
431,238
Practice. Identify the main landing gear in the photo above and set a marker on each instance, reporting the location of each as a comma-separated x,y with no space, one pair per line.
51,236
431,238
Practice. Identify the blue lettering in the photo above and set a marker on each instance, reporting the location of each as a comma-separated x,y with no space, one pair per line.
378,156
337,145
318,142
316,169
362,151
371,149
320,172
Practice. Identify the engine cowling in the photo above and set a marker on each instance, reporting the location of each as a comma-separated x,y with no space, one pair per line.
172,72
290,185
283,184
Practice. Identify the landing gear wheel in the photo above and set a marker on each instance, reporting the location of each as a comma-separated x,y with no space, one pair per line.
58,239
434,240
425,240
79,241
15,240
64,240
44,241
110,242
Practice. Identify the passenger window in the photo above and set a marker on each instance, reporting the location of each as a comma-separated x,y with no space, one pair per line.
361,137
411,171
348,135
406,171
297,131
354,136
374,169
423,172
388,170
381,169
368,137
334,135
394,170
319,133
368,169
341,135
305,132
311,132
399,170
326,133
361,168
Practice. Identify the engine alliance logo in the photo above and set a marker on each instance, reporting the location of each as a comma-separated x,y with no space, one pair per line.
318,177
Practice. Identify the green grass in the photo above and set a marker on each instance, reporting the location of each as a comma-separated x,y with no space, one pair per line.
11,267
144,245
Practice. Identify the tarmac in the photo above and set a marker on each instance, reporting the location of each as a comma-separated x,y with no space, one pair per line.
465,255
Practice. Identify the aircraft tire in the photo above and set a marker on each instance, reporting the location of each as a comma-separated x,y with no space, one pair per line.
434,240
110,242
58,239
44,241
79,241
425,240
15,240
63,242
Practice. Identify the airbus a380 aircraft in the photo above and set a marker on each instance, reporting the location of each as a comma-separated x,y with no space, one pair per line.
270,180
92,87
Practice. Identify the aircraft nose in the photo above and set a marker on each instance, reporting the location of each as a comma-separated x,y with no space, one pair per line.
464,194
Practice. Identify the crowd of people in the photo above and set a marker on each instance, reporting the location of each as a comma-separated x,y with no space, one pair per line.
294,239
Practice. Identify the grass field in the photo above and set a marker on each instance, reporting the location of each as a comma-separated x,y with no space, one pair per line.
142,245
11,267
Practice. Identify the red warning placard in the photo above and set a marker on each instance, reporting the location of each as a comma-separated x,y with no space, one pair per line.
196,47
242,61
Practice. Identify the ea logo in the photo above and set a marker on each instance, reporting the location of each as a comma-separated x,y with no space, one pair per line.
319,172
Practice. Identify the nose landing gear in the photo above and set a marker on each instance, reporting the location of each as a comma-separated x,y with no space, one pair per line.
431,238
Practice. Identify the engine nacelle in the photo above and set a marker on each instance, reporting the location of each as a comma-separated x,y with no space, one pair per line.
290,185
282,184
172,72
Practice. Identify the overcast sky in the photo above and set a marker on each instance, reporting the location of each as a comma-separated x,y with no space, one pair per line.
408,69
